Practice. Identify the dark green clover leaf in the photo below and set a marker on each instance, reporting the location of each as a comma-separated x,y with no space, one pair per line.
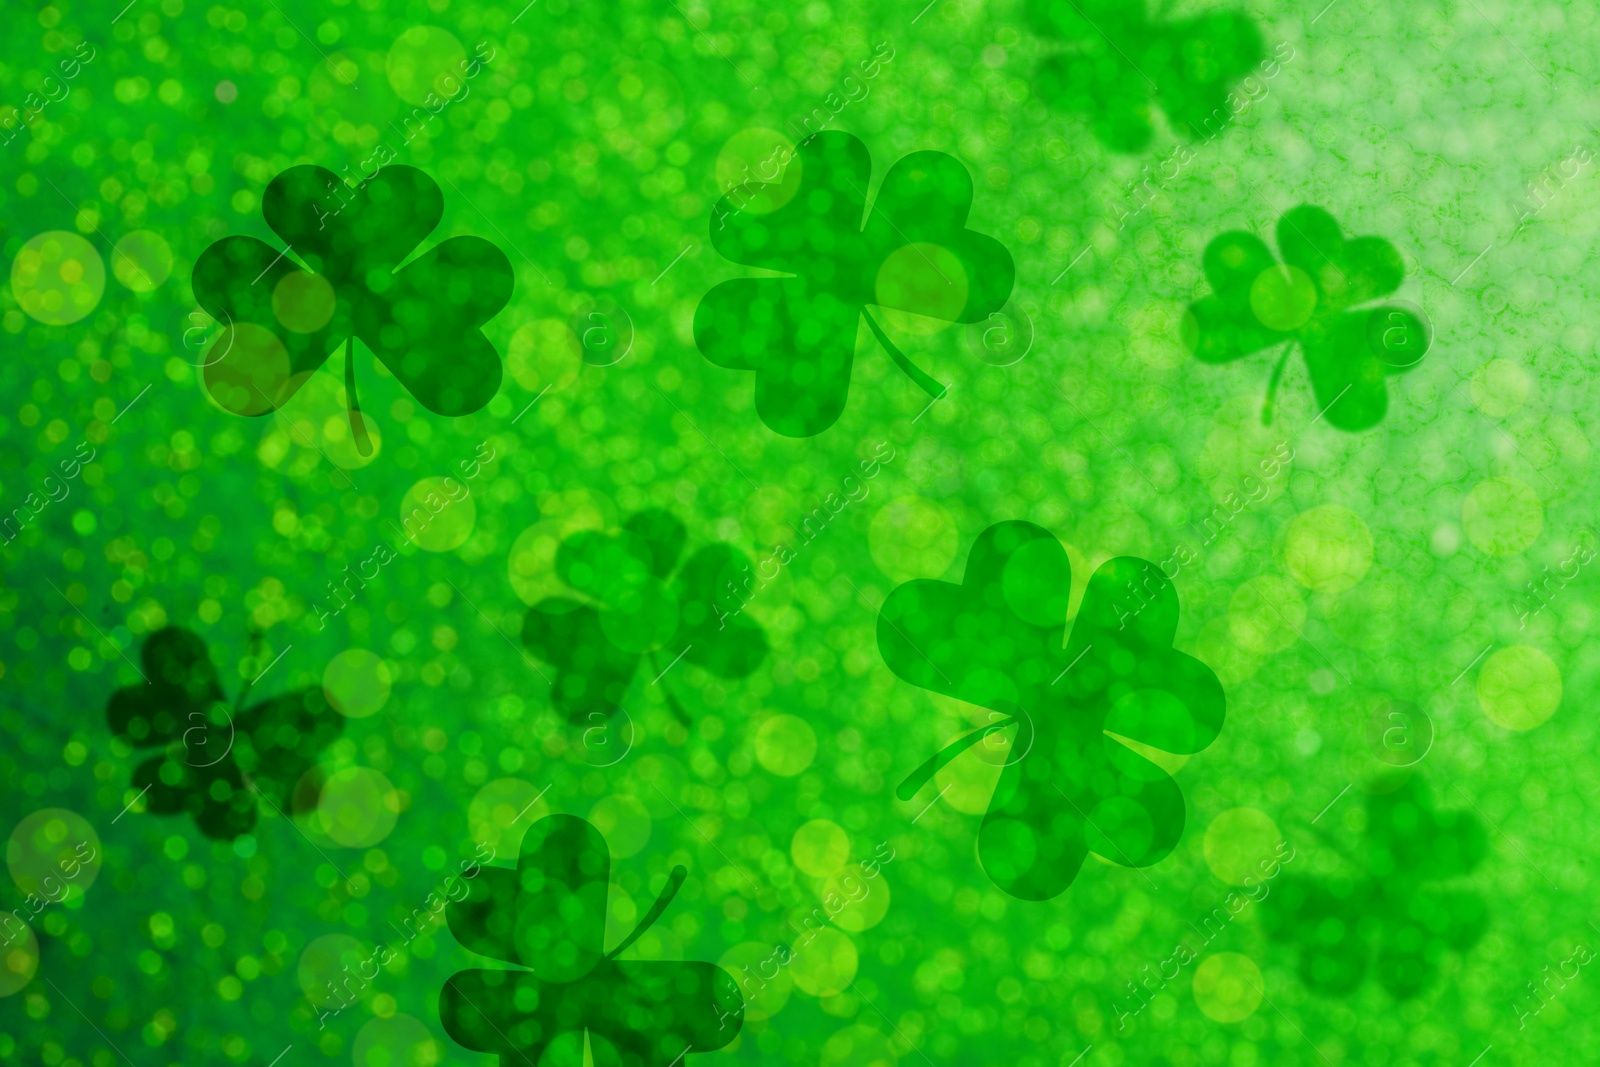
1115,57
1311,299
549,917
1391,915
215,755
422,320
633,608
1071,785
798,333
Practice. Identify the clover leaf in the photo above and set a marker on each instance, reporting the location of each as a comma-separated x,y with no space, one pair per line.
1311,299
996,641
798,333
1390,917
1115,57
548,917
633,608
215,755
421,320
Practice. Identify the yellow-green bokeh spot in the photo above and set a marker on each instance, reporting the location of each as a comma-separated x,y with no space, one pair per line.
1228,987
356,683
1327,549
1266,615
858,1046
19,957
762,974
438,514
501,812
1283,297
426,60
313,423
58,277
141,260
544,356
912,537
358,807
327,962
856,901
820,848
924,276
53,854
1236,843
785,745
532,560
824,965
303,302
1503,516
624,823
1519,687
1500,387
759,170
396,1041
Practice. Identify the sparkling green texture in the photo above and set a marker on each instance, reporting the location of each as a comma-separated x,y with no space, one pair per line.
1385,853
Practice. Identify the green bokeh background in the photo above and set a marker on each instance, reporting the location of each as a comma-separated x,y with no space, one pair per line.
587,150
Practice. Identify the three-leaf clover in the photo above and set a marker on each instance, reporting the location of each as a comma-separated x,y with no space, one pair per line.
799,333
1116,57
633,609
215,755
996,641
549,917
1389,917
422,320
1311,299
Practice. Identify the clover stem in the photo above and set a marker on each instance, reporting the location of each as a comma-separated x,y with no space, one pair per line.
672,701
919,777
358,425
929,386
1272,384
674,883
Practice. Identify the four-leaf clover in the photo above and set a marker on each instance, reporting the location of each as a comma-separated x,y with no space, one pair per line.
215,755
996,641
1116,57
633,609
915,254
549,917
1310,299
1389,916
422,320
